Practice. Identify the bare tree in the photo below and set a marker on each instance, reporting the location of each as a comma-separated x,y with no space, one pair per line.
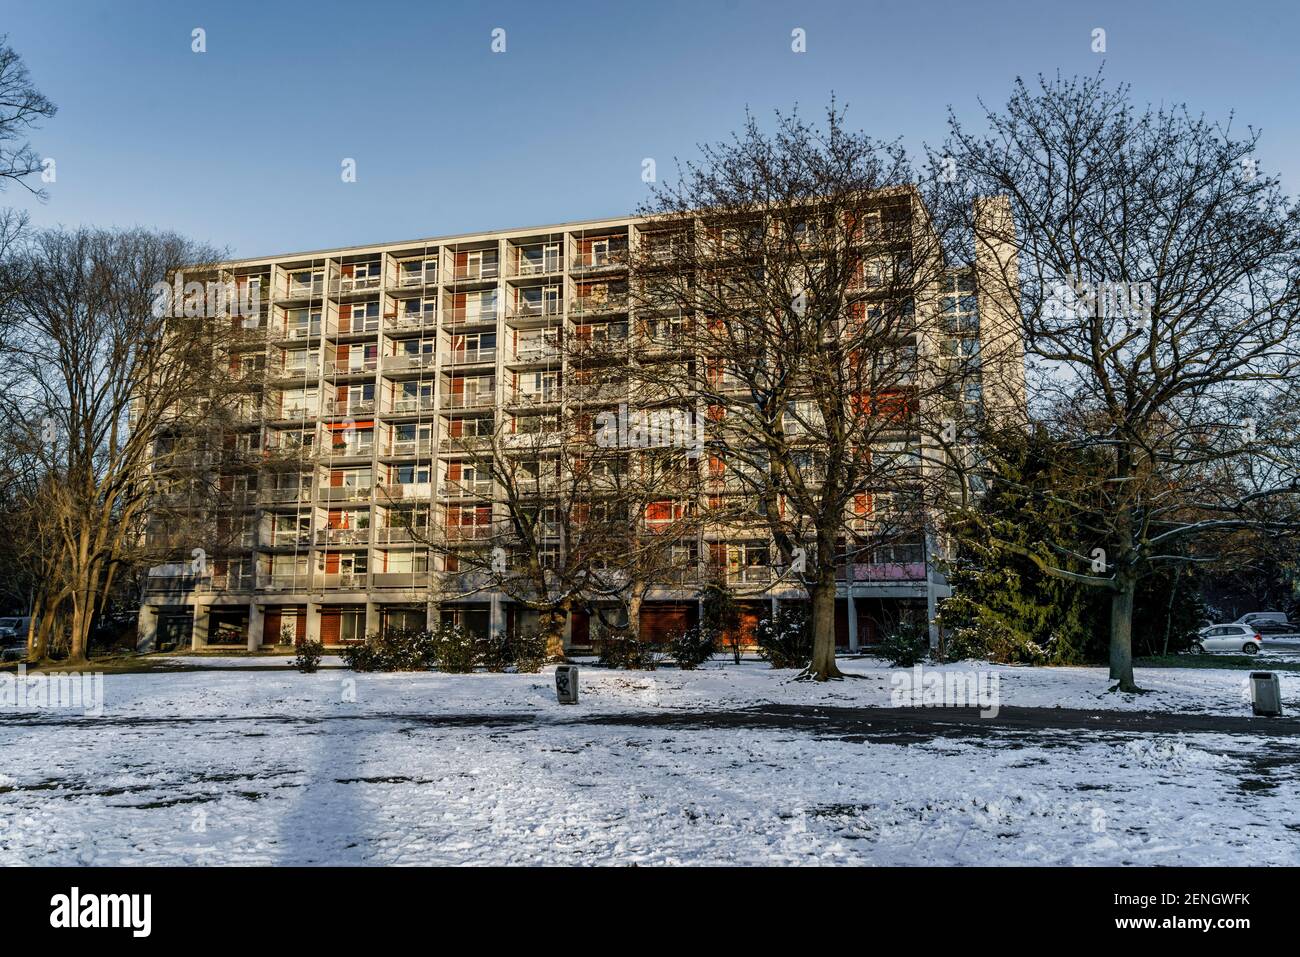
22,107
1157,289
114,395
803,267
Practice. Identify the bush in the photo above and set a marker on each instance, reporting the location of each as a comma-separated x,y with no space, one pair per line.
528,652
396,649
989,641
307,660
455,650
785,640
621,650
907,645
495,652
691,648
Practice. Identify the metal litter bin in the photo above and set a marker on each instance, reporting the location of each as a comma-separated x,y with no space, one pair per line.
566,684
1266,693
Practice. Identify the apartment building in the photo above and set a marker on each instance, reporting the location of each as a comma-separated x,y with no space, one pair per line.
370,371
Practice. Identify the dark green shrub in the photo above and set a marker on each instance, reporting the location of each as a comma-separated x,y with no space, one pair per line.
307,660
691,648
396,649
455,650
495,652
528,652
621,650
785,640
907,645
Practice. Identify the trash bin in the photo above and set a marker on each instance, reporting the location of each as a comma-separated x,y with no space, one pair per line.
1266,693
566,684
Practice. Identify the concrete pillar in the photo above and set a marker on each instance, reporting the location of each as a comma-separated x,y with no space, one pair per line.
931,598
312,631
851,610
256,626
146,629
431,615
372,618
199,634
497,616
568,630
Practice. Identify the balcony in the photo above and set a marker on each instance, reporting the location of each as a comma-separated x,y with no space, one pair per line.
476,271
408,362
343,450
536,259
291,538
355,407
890,572
410,406
350,284
612,257
414,279
354,581
400,491
471,357
410,320
533,397
295,412
534,309
283,496
410,579
398,535
285,581
398,448
542,351
467,533
457,317
342,536
597,305
303,290
346,493
483,399
341,367
463,488
307,372
298,330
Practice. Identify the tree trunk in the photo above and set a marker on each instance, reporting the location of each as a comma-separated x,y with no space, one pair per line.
1121,634
634,613
823,667
552,625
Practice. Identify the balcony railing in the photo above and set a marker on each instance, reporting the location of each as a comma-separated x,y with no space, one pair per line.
599,259
405,490
472,272
477,488
536,260
292,537
410,320
396,535
410,406
346,493
595,305
354,407
465,357
536,352
304,290
299,411
468,316
525,309
282,495
351,366
353,580
408,361
462,533
342,536
400,447
299,330
351,449
538,397
346,284
889,571
408,280
470,400
286,581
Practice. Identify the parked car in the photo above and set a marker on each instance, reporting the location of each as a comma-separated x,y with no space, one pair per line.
1253,616
1277,630
1233,637
13,638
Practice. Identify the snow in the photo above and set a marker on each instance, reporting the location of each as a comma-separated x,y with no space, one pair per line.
224,763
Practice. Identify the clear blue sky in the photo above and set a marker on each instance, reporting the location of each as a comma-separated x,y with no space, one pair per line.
241,146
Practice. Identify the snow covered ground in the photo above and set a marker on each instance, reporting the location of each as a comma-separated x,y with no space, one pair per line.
230,763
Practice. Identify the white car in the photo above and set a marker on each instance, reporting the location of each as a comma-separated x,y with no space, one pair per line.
1234,637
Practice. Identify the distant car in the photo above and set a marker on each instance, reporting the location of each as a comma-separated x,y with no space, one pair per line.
1253,616
13,639
1234,637
1276,630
